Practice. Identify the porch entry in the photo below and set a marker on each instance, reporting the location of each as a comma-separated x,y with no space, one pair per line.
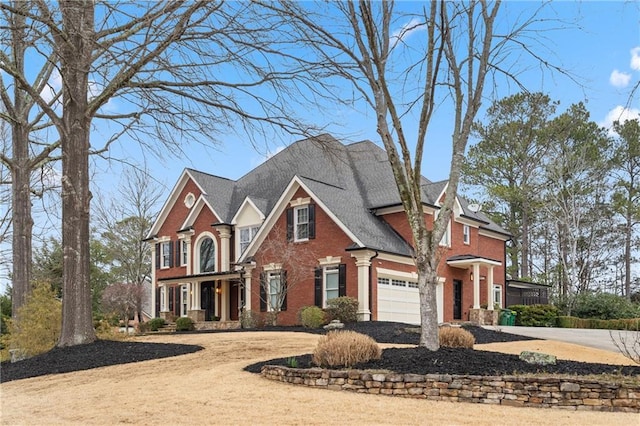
457,299
208,295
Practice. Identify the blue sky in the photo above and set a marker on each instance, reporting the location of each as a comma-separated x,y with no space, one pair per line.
597,42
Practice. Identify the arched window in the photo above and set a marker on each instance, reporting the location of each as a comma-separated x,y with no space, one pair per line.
207,255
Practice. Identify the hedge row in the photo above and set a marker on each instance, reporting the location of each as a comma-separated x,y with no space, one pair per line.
593,323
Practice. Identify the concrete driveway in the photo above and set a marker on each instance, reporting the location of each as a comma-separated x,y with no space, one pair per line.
600,339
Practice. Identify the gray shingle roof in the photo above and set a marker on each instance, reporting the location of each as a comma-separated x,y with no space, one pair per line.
351,180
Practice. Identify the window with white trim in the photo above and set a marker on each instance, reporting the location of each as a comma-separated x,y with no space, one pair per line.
274,280
383,281
246,236
331,283
301,223
497,295
446,237
183,253
466,235
165,254
207,255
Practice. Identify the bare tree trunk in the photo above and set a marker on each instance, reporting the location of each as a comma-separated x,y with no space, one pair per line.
524,267
20,175
427,286
627,255
75,52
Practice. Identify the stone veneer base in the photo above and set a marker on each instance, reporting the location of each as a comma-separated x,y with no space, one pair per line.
516,391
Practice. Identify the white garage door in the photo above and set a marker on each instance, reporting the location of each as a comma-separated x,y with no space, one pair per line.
398,299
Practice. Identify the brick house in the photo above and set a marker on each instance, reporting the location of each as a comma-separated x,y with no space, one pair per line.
318,220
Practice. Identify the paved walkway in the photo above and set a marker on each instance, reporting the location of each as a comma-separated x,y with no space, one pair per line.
600,339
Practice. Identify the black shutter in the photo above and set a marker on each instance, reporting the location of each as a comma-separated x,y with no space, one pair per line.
312,221
176,305
157,312
170,299
289,224
178,246
318,287
263,292
342,280
283,288
158,256
170,254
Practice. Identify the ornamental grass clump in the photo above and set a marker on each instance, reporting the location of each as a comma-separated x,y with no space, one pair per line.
456,337
345,348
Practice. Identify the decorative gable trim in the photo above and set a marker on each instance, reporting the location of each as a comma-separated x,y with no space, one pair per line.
247,202
171,201
195,211
281,205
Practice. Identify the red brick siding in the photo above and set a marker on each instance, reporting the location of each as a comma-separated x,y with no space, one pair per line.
330,241
479,245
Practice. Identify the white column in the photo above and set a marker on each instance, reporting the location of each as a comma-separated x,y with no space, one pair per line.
247,287
225,235
165,297
490,288
187,239
226,293
154,284
476,286
363,261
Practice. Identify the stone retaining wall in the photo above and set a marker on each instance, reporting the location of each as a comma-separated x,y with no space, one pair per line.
518,391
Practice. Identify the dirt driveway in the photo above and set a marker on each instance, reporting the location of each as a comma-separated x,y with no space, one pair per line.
210,387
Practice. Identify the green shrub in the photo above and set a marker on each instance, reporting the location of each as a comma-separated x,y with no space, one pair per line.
535,315
311,317
632,324
40,322
604,306
456,337
343,308
184,324
345,348
156,323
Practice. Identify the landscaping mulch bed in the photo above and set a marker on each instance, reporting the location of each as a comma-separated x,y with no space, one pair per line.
453,361
409,360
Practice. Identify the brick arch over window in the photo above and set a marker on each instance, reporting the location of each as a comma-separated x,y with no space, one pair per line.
206,253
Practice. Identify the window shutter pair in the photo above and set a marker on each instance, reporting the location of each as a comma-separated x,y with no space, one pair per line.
312,222
342,283
263,290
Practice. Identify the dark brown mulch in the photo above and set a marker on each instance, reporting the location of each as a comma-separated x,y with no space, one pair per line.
453,361
412,360
100,353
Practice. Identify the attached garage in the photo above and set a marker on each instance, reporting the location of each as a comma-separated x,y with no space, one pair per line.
398,298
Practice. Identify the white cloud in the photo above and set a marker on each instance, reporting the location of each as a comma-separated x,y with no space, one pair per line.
620,114
53,87
619,79
411,27
635,58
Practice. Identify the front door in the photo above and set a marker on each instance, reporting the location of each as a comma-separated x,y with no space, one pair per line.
207,298
457,299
